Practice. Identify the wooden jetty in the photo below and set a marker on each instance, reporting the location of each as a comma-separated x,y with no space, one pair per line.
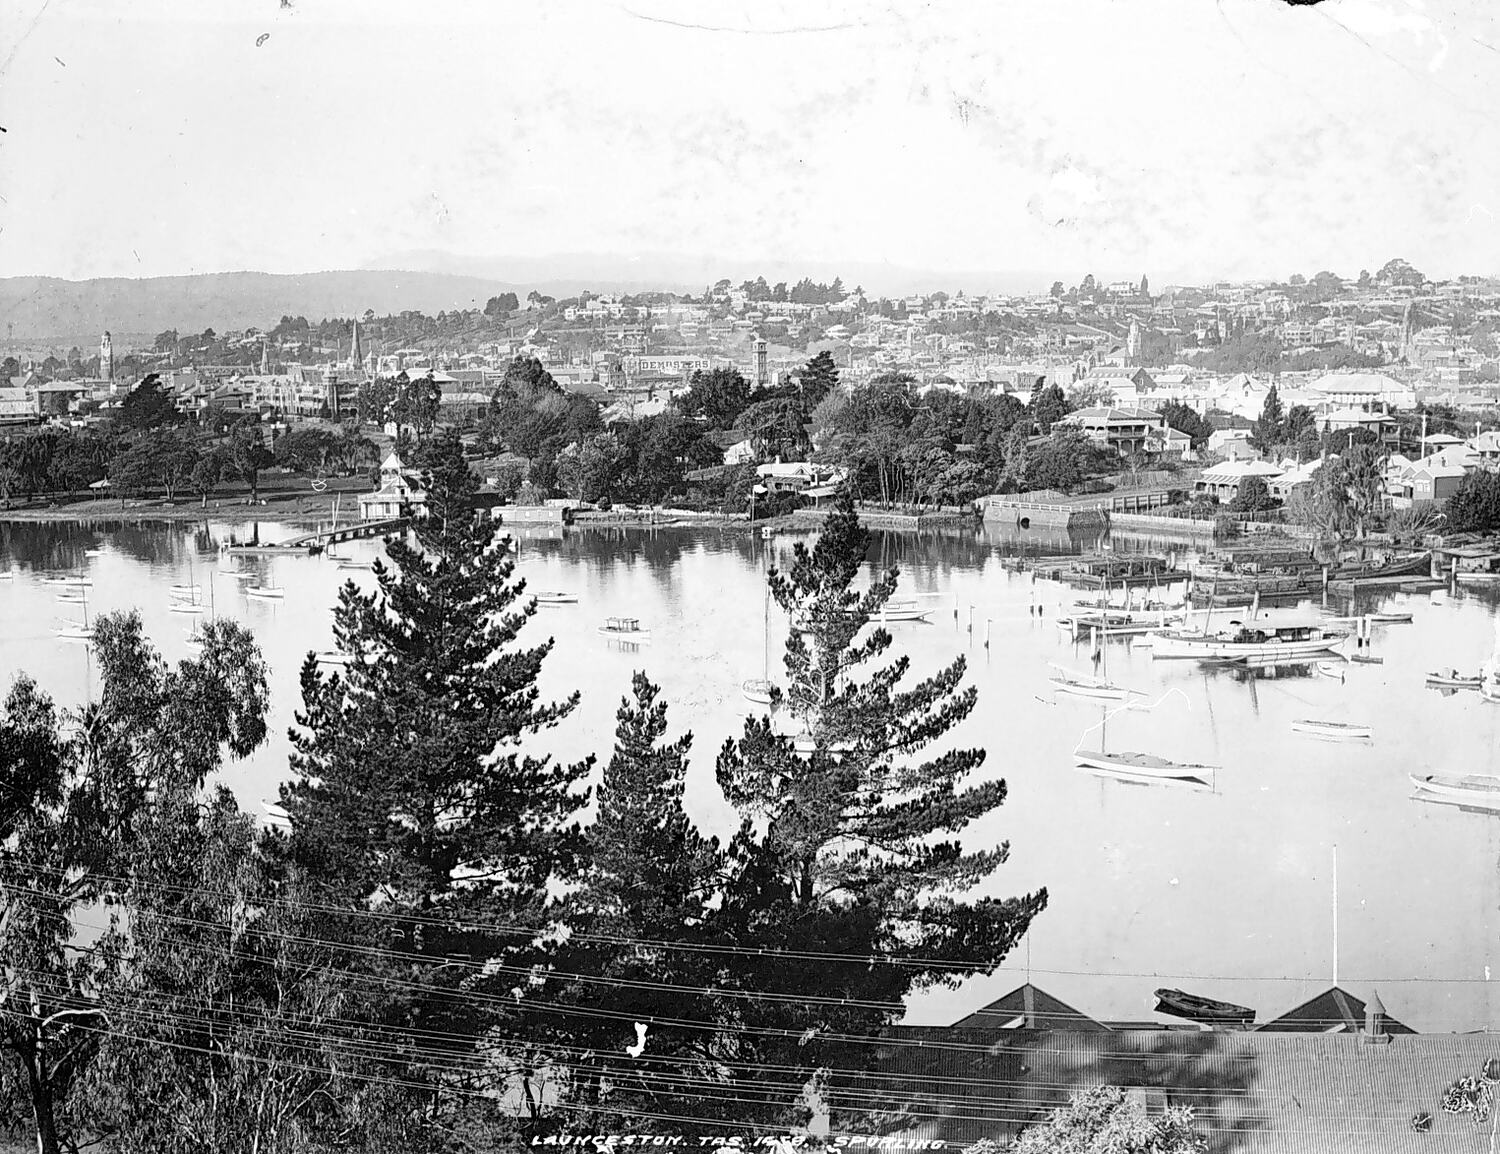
320,539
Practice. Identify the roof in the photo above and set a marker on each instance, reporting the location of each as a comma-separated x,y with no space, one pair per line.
1086,416
1239,470
1253,1092
1030,1008
1334,1009
1372,383
1357,417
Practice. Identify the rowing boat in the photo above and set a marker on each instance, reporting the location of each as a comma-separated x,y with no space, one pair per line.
1469,789
1331,669
1453,679
1340,729
556,598
1199,1009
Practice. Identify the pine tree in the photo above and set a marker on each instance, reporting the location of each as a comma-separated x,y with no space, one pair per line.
1268,429
415,785
650,878
818,379
856,851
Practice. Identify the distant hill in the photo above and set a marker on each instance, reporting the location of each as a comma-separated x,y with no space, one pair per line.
78,311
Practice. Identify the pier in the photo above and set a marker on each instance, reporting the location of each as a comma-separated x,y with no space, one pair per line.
317,541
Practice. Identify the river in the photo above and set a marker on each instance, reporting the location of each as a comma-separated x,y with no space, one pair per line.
1307,861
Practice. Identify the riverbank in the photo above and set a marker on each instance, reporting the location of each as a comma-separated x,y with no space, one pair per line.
299,509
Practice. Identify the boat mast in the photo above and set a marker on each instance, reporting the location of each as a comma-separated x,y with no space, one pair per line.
1335,913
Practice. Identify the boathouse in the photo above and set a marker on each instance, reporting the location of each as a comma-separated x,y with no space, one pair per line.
1334,1075
400,494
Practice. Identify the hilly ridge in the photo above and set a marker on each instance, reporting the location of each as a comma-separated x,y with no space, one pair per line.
49,307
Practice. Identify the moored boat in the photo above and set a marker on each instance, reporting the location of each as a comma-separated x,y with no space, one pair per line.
75,633
1200,1009
185,590
1333,669
1083,685
626,629
758,690
556,598
1453,679
1282,638
187,607
1340,729
1142,766
1476,789
242,575
1390,618
265,592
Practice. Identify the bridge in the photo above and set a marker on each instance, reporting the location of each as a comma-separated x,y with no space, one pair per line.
320,539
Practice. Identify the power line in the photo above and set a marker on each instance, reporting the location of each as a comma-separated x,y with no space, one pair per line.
502,929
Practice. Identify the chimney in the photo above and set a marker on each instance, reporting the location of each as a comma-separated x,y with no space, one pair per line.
1375,1034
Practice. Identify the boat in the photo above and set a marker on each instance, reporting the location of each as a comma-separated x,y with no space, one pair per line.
1280,638
265,592
889,613
1453,679
71,582
187,607
1476,789
1085,685
758,690
1199,1009
7,575
1390,618
626,629
356,565
1141,766
186,590
93,552
72,597
1478,577
242,574
556,598
1331,669
75,633
1341,729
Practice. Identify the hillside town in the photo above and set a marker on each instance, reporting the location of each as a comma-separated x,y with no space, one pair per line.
1204,396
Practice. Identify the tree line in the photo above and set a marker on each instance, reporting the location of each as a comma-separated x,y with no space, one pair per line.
455,941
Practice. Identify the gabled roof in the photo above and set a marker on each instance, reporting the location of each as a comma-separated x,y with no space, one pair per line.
1027,1007
1372,383
1335,1010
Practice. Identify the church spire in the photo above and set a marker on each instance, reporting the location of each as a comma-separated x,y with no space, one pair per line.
356,354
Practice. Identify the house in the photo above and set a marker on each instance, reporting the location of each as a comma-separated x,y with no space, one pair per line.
1334,1075
1126,431
1429,481
798,477
400,493
1486,446
1233,445
18,406
1223,481
1362,390
1386,429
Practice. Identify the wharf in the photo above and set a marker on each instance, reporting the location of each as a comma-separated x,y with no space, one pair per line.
320,539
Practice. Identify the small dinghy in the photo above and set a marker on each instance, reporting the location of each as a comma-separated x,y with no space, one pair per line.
70,582
188,607
1083,685
556,598
1198,1009
1453,679
75,633
1390,618
1141,766
1338,729
1334,669
186,590
758,690
241,575
72,597
265,592
356,565
892,613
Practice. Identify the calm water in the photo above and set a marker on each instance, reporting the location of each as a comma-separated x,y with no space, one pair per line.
1229,893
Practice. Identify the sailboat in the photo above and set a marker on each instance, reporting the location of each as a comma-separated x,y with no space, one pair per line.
76,631
1080,684
191,590
761,690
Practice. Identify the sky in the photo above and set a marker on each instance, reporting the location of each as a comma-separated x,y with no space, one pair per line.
1187,140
